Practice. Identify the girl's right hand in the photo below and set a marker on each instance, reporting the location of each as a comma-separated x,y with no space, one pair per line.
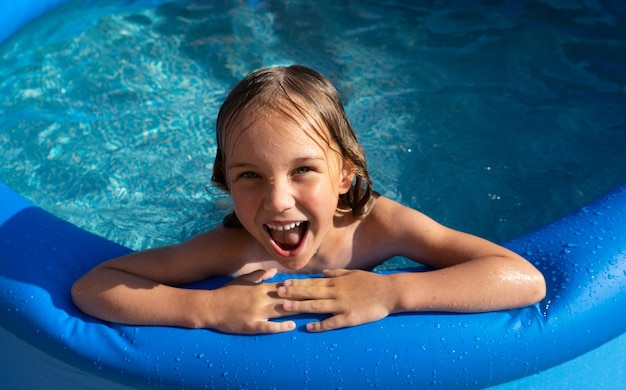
246,305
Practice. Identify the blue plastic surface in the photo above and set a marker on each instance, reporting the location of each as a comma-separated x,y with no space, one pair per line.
16,13
583,257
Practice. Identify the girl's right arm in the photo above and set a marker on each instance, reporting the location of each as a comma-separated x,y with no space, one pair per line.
140,289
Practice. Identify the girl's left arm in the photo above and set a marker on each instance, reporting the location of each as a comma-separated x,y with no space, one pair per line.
469,274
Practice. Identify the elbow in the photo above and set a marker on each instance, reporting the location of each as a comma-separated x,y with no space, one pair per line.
526,286
536,287
80,293
77,292
531,284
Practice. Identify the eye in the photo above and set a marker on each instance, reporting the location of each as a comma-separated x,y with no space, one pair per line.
248,175
303,170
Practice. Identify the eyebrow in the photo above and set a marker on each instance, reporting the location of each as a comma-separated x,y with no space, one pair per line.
297,161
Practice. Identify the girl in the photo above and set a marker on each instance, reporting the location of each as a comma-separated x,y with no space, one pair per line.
303,202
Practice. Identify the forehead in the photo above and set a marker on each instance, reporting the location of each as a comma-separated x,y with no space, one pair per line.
293,120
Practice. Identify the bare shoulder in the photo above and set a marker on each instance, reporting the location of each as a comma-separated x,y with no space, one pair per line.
392,229
418,237
397,220
414,235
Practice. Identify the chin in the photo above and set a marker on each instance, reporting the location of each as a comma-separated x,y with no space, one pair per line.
292,266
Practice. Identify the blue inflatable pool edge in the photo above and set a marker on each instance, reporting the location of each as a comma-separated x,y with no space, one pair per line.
15,14
582,256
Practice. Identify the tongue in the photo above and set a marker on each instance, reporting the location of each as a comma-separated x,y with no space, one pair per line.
288,239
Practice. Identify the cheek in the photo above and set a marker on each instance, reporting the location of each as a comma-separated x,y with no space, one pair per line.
323,196
242,203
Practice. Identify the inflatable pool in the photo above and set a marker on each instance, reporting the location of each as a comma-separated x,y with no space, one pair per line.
583,257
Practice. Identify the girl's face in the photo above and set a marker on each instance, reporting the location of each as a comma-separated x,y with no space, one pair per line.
285,186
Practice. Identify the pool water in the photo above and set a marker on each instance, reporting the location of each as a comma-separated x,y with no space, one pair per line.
490,117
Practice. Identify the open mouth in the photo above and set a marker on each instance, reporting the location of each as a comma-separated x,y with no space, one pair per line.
288,237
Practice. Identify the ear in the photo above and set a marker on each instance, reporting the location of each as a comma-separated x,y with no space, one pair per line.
346,177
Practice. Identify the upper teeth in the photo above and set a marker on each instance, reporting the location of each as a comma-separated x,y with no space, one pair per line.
284,227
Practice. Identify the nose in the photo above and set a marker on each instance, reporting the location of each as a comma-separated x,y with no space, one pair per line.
279,196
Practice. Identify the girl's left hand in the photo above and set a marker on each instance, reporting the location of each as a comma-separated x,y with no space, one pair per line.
354,297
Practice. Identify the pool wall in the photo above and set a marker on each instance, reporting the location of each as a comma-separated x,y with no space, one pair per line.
15,14
582,256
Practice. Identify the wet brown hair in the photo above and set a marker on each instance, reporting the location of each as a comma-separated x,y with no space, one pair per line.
301,93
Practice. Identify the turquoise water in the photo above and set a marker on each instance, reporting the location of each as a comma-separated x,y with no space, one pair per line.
492,118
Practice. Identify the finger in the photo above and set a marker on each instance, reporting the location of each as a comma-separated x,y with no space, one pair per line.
305,292
270,273
317,306
334,322
272,327
277,310
259,275
314,288
312,282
